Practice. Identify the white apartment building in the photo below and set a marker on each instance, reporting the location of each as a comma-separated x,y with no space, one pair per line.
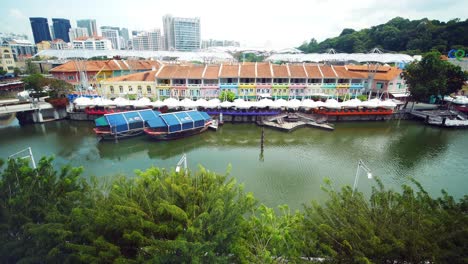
112,33
7,62
182,34
92,43
148,40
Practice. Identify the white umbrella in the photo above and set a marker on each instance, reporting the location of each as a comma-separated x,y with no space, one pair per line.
280,103
171,103
188,103
226,104
81,101
388,104
142,103
293,104
157,103
373,103
353,103
200,102
332,104
308,104
266,102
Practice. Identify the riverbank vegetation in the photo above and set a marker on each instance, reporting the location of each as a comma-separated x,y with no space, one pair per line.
160,216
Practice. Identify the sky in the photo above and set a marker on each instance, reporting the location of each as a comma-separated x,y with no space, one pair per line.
268,24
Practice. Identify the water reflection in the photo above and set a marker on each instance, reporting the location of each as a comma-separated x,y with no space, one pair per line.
288,169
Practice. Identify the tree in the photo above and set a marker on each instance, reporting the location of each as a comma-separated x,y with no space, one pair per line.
227,96
35,206
432,77
16,71
391,227
31,68
2,72
35,82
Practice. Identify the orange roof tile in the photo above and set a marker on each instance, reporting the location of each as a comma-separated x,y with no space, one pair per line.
148,76
313,71
211,72
327,71
196,72
247,70
181,72
263,70
106,65
297,71
167,71
389,75
229,71
280,71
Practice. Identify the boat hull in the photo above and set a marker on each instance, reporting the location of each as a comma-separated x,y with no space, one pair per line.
355,112
177,135
106,135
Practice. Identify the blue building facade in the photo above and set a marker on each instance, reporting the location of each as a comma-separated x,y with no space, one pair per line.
40,29
61,28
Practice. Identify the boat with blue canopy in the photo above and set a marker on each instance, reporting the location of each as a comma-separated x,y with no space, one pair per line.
124,124
178,124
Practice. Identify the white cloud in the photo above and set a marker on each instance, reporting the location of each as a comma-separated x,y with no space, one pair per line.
16,14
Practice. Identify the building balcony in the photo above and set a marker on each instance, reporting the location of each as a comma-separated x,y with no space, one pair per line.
356,86
280,85
179,86
329,85
343,85
228,85
194,85
246,85
210,86
263,85
163,85
314,85
297,85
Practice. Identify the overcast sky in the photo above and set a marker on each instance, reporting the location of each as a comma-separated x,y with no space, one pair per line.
269,24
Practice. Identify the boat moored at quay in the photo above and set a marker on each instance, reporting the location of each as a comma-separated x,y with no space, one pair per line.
160,126
178,125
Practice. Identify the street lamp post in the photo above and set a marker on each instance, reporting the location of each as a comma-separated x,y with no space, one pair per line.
183,161
29,155
365,168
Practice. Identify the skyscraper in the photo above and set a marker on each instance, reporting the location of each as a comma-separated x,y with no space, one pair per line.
112,33
40,29
181,33
89,24
77,32
61,28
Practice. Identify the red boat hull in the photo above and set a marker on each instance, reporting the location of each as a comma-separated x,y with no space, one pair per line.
353,112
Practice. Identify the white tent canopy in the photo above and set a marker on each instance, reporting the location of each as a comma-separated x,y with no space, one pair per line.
359,57
159,55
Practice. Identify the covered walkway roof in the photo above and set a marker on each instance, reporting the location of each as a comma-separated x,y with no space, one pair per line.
209,57
342,57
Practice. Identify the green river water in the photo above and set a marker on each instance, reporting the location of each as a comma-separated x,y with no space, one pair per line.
289,171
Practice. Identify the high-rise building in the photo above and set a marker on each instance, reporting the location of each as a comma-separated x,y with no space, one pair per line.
124,34
181,33
21,49
77,32
112,33
147,40
61,28
89,24
40,29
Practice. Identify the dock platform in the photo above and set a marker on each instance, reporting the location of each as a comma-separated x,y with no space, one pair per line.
443,118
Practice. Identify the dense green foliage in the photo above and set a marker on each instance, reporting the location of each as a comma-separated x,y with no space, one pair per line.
399,35
226,95
38,83
160,216
433,76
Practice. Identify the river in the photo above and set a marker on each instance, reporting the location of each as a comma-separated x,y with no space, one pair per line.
289,171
